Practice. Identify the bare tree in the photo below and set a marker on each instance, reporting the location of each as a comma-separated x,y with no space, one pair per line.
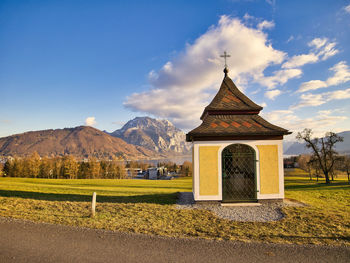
344,165
305,164
347,167
323,149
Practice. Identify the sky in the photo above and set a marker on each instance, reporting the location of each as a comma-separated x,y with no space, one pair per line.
102,63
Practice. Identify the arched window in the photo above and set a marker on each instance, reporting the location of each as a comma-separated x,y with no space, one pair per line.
238,173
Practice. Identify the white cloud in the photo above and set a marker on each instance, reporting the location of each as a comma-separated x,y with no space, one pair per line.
290,38
281,117
328,51
312,85
309,99
272,94
280,77
90,121
248,17
265,24
271,2
322,122
324,48
183,87
321,50
318,42
341,75
300,60
347,9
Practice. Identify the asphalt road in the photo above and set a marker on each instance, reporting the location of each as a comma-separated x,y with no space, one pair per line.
23,241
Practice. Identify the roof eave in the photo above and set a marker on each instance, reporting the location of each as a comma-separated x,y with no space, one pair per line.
222,137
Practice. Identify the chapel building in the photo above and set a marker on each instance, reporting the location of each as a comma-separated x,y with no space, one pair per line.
237,155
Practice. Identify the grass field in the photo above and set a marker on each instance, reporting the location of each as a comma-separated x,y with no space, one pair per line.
145,206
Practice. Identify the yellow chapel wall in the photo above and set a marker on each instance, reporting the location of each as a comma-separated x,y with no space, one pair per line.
208,170
269,169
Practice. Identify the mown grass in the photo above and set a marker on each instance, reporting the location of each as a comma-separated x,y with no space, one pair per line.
108,190
144,206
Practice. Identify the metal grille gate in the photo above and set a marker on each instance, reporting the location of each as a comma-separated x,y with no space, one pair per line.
238,173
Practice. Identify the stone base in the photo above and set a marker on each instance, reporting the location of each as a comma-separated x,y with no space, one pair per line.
264,201
240,204
205,202
253,203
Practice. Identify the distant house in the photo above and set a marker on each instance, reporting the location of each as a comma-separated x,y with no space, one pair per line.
237,155
132,172
154,173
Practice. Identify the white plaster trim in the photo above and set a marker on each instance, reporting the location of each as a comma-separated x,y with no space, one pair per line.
270,196
208,198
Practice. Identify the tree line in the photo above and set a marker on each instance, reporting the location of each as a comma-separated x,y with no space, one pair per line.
68,167
65,167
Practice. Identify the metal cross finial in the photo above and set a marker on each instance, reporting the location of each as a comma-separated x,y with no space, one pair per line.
225,55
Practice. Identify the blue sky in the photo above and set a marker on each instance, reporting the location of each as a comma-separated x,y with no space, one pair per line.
67,63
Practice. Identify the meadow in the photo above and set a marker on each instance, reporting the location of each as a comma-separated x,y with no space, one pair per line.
145,206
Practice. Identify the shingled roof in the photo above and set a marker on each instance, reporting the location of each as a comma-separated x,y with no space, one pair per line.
230,100
232,115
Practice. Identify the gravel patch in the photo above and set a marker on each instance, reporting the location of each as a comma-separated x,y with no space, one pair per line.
266,212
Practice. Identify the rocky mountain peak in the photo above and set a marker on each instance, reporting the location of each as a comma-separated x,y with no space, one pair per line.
156,135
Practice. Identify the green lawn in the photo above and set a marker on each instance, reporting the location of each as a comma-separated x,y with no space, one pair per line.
145,206
108,190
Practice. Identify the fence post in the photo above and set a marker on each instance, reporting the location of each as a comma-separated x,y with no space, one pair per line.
93,206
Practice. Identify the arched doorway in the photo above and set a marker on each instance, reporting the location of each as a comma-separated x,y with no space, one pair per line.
238,173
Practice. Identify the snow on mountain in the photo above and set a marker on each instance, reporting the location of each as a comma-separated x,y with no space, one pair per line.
156,135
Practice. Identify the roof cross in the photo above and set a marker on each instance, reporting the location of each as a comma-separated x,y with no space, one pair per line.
225,55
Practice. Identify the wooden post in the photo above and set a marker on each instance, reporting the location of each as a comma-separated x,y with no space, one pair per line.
93,206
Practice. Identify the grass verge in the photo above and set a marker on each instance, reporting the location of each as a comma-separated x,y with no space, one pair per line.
144,206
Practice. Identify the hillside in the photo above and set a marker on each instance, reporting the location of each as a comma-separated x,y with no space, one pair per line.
82,142
299,148
156,135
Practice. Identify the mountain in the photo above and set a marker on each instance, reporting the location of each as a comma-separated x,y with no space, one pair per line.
82,142
299,148
156,135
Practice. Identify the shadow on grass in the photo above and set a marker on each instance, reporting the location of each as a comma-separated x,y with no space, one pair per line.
318,186
151,198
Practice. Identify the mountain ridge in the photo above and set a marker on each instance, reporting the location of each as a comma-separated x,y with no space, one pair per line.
81,141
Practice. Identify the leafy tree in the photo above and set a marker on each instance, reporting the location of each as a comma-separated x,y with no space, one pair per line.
116,170
104,171
186,168
324,153
31,166
69,168
13,167
57,164
7,168
94,168
46,167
